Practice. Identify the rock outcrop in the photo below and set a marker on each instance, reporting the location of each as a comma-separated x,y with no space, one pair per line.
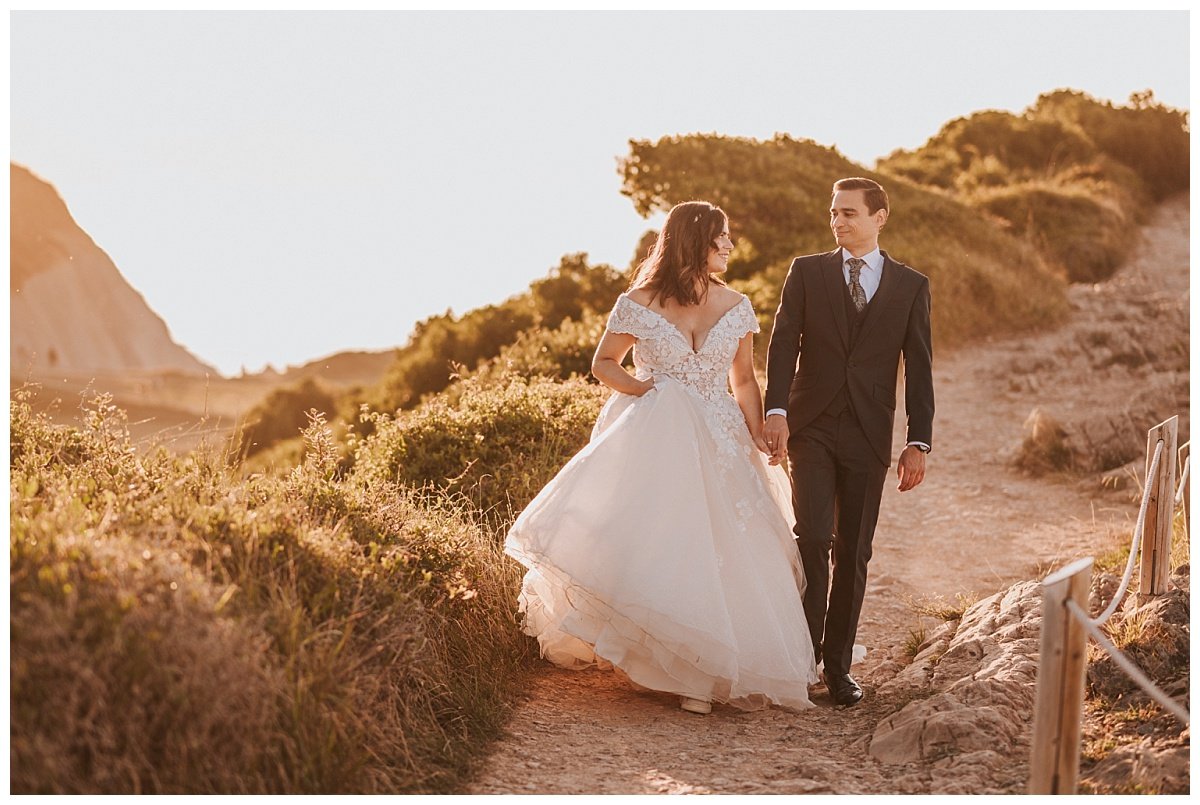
973,685
72,312
983,674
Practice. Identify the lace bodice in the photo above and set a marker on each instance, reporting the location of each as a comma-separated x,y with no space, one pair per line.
664,352
662,349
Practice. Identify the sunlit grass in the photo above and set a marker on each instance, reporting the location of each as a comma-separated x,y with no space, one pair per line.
176,628
941,608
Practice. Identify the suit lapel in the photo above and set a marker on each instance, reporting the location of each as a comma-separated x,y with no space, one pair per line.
885,291
831,267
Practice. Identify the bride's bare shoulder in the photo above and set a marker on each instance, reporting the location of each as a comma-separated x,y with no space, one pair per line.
643,296
725,296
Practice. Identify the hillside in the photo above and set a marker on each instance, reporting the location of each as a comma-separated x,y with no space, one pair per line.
180,410
343,369
78,328
71,310
1072,175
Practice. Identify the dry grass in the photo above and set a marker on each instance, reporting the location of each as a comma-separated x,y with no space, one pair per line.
915,639
936,607
176,629
1118,714
1044,449
939,607
1181,540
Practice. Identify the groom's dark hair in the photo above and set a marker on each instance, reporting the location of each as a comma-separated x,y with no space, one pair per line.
876,196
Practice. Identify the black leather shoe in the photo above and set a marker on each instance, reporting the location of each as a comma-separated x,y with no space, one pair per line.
844,690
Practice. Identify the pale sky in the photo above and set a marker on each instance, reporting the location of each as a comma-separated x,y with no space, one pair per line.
282,186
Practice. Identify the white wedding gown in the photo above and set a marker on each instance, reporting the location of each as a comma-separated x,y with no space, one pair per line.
664,547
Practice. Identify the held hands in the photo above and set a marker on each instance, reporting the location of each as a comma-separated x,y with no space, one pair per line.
910,468
761,443
775,438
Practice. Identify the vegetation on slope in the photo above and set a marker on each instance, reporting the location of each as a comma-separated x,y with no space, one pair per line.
1071,175
176,628
777,195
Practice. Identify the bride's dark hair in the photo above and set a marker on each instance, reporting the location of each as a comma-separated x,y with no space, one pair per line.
677,265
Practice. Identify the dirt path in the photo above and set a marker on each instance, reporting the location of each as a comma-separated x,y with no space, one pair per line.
974,526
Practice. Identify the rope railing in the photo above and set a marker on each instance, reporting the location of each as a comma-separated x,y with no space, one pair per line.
1137,542
1183,479
1127,665
1066,624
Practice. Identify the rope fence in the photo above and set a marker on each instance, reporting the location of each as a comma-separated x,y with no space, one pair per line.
1137,543
1183,477
1066,624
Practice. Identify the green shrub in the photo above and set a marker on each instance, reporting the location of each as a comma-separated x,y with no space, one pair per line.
1151,139
495,443
438,345
991,149
177,630
281,414
560,353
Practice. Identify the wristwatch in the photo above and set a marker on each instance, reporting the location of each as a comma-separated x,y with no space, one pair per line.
924,448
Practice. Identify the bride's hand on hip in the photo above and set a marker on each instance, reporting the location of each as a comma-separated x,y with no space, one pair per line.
647,385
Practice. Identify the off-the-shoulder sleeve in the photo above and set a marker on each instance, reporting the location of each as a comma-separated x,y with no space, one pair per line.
626,318
744,320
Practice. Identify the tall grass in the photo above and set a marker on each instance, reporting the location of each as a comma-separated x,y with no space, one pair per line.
178,630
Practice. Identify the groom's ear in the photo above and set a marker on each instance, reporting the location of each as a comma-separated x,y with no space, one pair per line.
881,215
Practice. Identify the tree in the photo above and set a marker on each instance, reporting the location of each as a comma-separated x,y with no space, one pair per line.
776,192
572,288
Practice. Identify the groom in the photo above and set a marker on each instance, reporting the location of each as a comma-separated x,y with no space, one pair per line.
845,319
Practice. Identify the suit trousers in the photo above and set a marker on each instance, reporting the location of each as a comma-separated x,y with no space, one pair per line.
837,483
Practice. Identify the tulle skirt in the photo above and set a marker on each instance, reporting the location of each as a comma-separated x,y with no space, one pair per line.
664,548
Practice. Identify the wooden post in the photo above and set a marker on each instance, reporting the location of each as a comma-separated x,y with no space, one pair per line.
1185,451
1156,538
1062,672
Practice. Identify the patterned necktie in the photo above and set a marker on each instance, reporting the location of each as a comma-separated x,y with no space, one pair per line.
856,290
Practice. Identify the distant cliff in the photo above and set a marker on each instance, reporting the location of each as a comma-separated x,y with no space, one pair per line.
71,310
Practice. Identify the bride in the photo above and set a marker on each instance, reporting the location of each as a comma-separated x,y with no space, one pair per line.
664,547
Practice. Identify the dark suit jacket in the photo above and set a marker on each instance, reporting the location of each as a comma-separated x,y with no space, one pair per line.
811,358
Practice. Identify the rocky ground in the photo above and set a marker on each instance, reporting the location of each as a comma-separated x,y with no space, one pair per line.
955,719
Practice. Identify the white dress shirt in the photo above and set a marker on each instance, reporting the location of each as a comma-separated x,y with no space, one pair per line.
868,277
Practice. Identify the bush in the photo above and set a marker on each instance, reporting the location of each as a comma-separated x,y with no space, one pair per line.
281,415
426,364
1151,139
562,353
989,149
175,630
1045,448
495,443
